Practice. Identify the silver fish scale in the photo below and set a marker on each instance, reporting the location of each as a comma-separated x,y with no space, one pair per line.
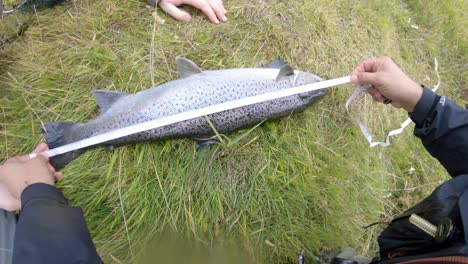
197,91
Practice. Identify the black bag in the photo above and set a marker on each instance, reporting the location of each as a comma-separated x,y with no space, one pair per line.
402,241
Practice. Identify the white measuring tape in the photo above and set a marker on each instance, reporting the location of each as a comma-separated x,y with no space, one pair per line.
168,120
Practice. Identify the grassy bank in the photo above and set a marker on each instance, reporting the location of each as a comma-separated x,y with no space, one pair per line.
308,181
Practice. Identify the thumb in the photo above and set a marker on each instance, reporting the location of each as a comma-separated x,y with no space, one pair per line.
175,12
366,78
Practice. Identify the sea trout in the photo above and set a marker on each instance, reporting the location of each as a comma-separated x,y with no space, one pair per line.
194,89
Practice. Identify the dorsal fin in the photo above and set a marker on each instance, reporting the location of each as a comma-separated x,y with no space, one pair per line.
276,64
186,67
286,70
105,99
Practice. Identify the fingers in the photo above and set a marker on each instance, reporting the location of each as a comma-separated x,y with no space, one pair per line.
376,95
24,157
58,175
42,160
37,150
374,64
209,12
40,148
51,168
364,77
174,11
219,9
366,66
211,8
370,65
40,167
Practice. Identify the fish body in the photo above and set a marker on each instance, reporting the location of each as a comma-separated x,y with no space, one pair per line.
195,89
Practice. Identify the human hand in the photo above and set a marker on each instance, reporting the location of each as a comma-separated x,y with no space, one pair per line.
19,172
213,9
388,81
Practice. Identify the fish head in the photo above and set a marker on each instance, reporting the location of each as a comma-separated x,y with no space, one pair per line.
303,78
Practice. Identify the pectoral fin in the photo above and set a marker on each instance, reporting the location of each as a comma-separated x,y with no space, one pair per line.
109,148
205,142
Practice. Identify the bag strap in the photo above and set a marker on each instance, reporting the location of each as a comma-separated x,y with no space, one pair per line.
463,205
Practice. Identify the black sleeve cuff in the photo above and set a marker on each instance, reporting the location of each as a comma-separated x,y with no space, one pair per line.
41,191
424,106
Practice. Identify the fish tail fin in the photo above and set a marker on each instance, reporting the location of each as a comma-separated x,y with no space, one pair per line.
58,134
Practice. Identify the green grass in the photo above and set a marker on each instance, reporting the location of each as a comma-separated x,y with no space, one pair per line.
308,181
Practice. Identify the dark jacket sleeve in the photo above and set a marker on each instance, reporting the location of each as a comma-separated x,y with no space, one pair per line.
50,231
442,127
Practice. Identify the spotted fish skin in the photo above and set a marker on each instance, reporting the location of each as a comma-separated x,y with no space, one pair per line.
196,89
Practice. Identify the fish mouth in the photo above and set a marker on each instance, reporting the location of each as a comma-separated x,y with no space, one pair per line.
313,95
